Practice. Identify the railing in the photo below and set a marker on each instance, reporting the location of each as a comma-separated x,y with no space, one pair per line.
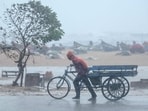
9,73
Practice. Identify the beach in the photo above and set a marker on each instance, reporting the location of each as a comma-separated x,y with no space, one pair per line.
91,57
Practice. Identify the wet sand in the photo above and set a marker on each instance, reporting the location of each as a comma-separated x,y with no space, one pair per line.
92,58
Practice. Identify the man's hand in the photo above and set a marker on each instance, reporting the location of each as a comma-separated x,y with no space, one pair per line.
71,65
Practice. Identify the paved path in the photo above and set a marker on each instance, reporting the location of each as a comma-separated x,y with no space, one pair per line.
46,103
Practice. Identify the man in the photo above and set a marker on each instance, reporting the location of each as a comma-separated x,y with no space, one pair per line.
82,70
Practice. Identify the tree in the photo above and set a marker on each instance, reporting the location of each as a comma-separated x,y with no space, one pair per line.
28,24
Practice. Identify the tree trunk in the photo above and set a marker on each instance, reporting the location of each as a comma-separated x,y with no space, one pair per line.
21,66
22,76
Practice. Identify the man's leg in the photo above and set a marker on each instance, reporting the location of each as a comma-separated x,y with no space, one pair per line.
86,81
77,87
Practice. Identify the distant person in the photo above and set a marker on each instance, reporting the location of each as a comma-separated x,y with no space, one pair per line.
82,69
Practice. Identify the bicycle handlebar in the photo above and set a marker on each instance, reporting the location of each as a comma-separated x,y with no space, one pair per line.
69,69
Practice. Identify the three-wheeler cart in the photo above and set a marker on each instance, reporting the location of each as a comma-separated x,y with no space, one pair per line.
111,79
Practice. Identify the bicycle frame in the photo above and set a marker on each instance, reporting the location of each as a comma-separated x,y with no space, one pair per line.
69,71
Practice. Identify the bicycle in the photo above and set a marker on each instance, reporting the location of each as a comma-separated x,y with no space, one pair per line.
59,87
113,88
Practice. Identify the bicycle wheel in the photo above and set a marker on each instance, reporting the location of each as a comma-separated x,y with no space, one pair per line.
116,87
113,89
58,87
126,84
105,91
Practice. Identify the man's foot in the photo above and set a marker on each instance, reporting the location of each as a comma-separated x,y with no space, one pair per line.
92,99
76,97
15,83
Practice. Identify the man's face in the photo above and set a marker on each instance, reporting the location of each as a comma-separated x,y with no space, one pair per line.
71,57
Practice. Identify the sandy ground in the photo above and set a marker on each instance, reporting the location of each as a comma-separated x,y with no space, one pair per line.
16,91
92,58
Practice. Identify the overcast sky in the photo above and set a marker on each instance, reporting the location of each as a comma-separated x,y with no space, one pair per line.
96,16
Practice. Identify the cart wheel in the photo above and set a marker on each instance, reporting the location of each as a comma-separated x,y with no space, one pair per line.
126,84
105,91
113,89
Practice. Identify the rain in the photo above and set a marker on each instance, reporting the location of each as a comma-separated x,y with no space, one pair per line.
104,33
